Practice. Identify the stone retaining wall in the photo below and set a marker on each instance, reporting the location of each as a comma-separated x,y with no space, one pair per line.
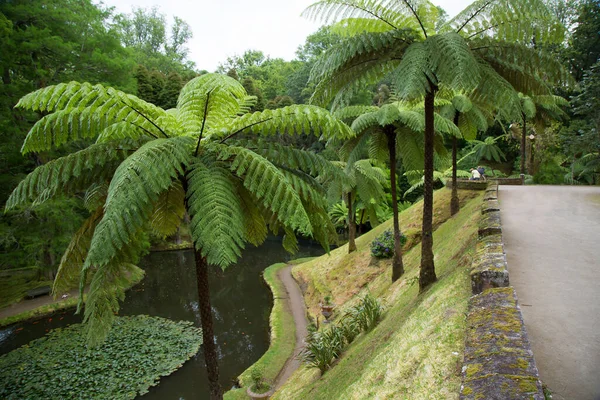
467,184
506,181
498,361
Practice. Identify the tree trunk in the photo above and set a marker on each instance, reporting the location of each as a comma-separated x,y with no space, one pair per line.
523,135
210,352
351,225
206,320
397,264
427,274
454,201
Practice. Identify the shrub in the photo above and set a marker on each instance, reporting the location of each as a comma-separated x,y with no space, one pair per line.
366,314
383,245
258,382
319,352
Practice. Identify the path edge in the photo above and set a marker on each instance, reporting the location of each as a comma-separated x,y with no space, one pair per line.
498,361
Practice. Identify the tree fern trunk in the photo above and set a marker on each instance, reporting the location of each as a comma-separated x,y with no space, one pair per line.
206,319
523,135
427,274
454,201
351,225
210,352
397,264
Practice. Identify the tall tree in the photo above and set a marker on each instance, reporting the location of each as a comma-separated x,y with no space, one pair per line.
391,133
399,39
154,165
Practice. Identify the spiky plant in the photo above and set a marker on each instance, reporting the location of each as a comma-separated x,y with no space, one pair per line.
384,133
363,184
148,166
405,41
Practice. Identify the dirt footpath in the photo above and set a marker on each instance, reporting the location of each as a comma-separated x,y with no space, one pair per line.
552,243
295,302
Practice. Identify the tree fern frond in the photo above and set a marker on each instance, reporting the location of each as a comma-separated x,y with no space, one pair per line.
255,225
87,115
409,146
95,195
413,78
169,210
266,182
133,191
215,208
72,261
378,146
106,289
519,21
290,242
290,120
348,114
68,174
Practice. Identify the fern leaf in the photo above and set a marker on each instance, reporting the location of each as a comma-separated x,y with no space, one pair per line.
169,210
72,261
133,191
68,174
215,208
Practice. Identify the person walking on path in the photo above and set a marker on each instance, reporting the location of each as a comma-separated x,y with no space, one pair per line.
481,171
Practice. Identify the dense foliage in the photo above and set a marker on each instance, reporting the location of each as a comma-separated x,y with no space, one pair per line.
383,245
138,351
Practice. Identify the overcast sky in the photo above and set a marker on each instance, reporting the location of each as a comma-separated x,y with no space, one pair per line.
224,28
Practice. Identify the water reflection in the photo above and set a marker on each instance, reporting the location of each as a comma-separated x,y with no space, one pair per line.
241,305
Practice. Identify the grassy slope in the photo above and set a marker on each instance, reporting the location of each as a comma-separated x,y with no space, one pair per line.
416,351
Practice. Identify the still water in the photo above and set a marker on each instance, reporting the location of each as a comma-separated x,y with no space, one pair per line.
241,304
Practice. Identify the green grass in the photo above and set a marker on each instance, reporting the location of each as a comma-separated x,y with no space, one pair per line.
416,350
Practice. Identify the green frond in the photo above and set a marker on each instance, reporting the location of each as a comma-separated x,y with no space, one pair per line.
356,61
416,179
296,159
267,183
409,147
133,191
519,21
452,61
533,77
355,26
462,103
106,290
412,77
255,225
95,195
210,98
351,112
215,208
290,242
72,261
378,146
354,148
68,174
169,210
290,120
90,111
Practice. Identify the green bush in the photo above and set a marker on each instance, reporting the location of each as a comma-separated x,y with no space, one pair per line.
324,347
383,245
366,314
550,173
138,351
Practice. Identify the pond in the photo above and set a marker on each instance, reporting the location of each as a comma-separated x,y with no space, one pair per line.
241,306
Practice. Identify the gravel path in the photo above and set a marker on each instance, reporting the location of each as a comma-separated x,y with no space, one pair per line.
295,305
551,236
